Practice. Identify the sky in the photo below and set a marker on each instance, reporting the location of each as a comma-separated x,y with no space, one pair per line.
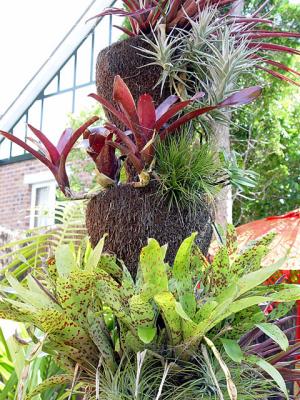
29,31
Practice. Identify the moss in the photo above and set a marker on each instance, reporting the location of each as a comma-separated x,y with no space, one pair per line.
122,58
130,216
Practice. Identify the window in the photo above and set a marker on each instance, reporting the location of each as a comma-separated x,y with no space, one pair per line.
43,193
40,211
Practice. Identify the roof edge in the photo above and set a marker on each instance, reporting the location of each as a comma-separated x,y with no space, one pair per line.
51,66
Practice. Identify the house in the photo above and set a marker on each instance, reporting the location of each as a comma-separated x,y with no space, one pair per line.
59,87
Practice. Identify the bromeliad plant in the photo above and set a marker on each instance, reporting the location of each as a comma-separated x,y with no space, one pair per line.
145,16
94,316
53,157
145,125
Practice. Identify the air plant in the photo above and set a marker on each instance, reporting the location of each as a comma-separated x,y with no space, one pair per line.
204,27
145,124
54,157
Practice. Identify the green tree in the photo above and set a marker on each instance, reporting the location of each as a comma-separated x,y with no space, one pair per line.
266,135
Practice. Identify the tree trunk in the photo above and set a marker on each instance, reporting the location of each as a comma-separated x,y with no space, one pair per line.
223,203
222,139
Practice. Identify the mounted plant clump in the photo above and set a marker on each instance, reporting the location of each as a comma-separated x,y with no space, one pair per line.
183,331
122,208
128,317
199,51
121,211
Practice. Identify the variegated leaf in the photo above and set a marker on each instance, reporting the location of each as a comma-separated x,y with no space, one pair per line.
154,269
102,340
75,294
183,275
167,304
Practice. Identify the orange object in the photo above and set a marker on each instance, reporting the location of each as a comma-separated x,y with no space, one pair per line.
286,244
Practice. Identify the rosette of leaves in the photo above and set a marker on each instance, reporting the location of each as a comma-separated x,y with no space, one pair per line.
195,54
92,313
145,124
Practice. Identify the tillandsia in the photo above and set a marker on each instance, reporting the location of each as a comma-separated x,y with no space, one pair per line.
94,316
187,15
145,125
213,56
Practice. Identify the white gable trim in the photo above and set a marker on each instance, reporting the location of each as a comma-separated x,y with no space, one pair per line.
55,61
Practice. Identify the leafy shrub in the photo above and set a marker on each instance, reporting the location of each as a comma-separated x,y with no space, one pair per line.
93,314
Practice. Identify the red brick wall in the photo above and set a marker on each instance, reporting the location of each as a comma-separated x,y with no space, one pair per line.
15,196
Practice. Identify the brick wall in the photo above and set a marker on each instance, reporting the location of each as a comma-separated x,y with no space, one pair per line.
15,196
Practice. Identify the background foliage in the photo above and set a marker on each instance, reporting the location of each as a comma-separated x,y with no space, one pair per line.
266,135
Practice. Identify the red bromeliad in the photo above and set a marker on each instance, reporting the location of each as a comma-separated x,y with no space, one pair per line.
96,142
145,124
146,16
54,157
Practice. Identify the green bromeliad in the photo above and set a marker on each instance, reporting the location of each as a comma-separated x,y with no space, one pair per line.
92,312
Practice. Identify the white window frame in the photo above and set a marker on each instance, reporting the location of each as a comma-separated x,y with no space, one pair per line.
37,181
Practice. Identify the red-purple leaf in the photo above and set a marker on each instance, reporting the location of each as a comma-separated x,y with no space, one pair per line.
26,147
122,137
123,97
121,117
97,141
137,163
184,119
175,110
107,162
173,9
271,34
63,140
165,105
278,75
52,151
40,146
125,30
243,96
122,13
62,179
273,47
247,20
276,64
189,8
70,144
146,114
282,33
132,4
157,13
